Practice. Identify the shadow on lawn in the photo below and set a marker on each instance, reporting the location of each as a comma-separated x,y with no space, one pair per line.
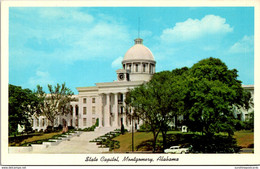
200,144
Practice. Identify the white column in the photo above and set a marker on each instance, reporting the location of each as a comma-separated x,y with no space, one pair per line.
74,115
116,110
124,110
80,118
100,110
34,123
107,111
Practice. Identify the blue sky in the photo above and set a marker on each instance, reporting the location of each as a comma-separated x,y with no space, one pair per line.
83,46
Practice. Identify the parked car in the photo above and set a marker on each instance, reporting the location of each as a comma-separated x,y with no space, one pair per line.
177,150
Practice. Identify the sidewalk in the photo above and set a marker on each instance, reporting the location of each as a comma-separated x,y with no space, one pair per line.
76,145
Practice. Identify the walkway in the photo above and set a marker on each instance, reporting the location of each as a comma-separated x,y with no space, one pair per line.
77,145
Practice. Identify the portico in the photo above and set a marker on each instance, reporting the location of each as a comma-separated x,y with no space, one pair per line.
106,101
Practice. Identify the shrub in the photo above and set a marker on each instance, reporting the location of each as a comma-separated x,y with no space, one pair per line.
28,129
92,128
216,144
144,128
49,129
71,127
122,129
97,122
58,128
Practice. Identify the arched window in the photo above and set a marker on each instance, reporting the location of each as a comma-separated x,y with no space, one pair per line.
143,67
136,68
77,110
71,110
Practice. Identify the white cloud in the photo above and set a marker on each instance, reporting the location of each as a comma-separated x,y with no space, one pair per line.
117,63
69,14
67,35
244,45
194,28
42,78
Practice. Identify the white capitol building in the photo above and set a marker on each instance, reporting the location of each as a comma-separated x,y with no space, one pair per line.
105,101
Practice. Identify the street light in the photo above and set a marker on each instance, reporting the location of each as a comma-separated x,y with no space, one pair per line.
132,133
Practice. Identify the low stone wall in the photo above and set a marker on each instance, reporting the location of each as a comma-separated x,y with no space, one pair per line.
44,145
20,149
37,147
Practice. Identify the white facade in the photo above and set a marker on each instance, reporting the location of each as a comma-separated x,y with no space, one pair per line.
243,114
105,101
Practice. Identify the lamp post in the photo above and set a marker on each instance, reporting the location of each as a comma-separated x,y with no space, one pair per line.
132,133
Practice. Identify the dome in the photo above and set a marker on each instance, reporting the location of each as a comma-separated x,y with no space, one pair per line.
138,52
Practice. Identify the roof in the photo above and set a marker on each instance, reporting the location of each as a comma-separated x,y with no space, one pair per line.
138,52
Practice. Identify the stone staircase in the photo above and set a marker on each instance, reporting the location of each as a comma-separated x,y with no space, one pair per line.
105,130
75,145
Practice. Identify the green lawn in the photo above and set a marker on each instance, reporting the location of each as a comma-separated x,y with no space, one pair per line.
36,137
143,140
245,138
126,140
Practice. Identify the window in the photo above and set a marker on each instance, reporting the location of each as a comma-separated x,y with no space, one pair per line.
143,67
122,109
84,100
37,122
93,100
136,67
43,122
84,110
120,98
71,110
93,121
93,110
84,121
77,110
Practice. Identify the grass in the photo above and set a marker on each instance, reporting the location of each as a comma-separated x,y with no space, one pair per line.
245,138
142,140
44,136
126,140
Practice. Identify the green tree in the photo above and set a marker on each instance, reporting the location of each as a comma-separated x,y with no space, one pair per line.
213,91
159,101
22,104
249,123
143,104
55,103
168,89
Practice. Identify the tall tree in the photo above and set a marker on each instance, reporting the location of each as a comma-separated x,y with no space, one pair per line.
168,89
213,91
143,104
22,104
159,101
55,103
